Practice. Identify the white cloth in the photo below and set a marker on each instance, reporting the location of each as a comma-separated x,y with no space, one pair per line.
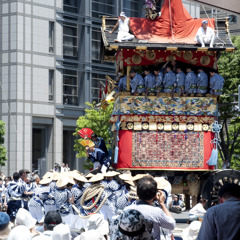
197,209
90,235
47,235
203,36
24,217
20,233
48,208
78,222
37,213
107,211
68,219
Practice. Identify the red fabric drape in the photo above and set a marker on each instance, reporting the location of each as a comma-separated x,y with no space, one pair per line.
174,26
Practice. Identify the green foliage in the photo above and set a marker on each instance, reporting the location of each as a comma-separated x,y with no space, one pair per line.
98,120
229,118
3,151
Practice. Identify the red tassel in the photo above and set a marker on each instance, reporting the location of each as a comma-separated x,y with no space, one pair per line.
100,92
106,86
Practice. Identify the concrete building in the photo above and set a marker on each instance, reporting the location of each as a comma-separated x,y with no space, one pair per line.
49,67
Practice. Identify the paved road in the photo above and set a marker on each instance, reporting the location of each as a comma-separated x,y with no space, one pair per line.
181,220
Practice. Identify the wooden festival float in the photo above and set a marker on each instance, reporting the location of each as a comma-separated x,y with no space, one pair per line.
168,135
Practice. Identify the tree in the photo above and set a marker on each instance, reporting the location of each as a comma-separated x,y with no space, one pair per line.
98,120
3,151
229,116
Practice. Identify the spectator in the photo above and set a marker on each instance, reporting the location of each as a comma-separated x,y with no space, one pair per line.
20,233
177,205
160,216
4,226
198,210
90,235
131,225
61,232
52,219
221,222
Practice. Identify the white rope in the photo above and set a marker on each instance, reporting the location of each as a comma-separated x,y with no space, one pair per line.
170,14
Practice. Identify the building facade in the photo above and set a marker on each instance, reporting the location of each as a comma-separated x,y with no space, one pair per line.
50,65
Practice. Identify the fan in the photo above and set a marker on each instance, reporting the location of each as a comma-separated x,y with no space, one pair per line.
85,132
87,142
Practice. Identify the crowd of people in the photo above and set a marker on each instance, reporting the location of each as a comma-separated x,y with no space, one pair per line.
172,78
114,205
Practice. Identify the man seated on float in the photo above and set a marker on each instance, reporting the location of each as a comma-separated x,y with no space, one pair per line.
122,85
99,158
202,81
216,83
169,80
205,35
198,210
180,80
123,29
149,81
159,81
190,81
137,83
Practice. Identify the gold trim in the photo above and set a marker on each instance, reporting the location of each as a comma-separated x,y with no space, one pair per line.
114,47
229,49
172,48
128,78
167,169
141,48
104,23
202,49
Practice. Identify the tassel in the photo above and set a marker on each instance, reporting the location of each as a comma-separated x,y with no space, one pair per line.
214,157
116,155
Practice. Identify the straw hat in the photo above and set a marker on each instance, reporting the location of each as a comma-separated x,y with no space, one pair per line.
131,183
64,180
89,175
96,178
79,178
47,175
45,181
162,183
139,176
111,174
125,177
55,176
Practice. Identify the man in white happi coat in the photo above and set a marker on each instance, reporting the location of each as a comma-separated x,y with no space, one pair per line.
205,35
123,29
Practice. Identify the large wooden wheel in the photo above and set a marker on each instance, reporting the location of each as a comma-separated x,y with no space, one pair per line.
216,181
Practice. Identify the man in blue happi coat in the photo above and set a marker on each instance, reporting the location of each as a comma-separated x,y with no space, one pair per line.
99,158
202,81
15,191
122,85
169,80
149,81
137,83
216,83
159,81
99,142
190,81
180,81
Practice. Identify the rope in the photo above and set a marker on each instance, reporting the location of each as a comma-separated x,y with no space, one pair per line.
89,193
170,14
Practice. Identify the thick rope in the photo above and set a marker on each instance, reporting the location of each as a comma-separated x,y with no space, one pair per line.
89,193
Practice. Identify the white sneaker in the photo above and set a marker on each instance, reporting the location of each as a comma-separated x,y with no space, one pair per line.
203,45
211,46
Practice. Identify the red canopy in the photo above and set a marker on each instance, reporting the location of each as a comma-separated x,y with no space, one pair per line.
174,26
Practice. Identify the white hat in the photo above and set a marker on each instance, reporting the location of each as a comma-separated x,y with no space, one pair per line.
17,233
90,235
204,21
122,14
97,222
45,181
162,183
191,232
79,177
139,176
61,232
47,175
111,174
24,217
89,175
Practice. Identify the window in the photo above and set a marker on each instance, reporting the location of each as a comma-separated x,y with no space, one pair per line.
70,40
70,87
51,85
70,6
51,37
